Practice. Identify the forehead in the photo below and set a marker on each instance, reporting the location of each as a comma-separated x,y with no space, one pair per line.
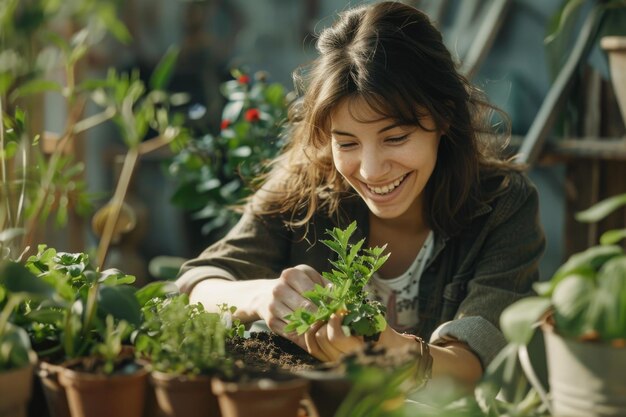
355,109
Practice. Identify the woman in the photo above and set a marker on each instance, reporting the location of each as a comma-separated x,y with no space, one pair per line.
387,133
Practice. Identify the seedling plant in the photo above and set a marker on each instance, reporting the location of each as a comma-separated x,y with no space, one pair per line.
346,295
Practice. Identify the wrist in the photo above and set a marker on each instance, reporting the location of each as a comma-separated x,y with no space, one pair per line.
392,340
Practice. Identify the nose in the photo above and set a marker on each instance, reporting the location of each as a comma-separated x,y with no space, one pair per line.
374,164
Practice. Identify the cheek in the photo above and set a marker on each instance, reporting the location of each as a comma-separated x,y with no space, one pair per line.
343,164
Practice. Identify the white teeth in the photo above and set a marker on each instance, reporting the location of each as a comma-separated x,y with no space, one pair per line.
387,188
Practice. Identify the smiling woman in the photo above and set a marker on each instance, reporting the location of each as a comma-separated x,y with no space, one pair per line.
388,134
387,164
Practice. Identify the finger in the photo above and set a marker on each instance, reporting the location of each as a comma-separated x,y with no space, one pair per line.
329,349
293,283
276,320
312,274
336,335
312,346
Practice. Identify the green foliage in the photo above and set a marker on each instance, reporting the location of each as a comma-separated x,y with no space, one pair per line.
111,346
586,295
214,171
69,316
346,294
16,285
182,338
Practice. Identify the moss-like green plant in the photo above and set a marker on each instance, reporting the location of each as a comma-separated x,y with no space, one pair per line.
346,294
185,339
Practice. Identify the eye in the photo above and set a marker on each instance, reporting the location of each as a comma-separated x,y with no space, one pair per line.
397,139
345,145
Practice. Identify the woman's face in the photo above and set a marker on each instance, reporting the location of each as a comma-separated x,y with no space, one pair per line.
386,163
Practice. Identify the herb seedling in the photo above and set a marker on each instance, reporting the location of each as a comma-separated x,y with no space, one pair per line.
346,295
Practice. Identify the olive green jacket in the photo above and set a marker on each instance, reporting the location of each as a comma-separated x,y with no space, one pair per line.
467,282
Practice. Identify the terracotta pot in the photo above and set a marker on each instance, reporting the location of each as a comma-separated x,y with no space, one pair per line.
15,388
56,398
615,46
183,396
328,389
97,395
260,397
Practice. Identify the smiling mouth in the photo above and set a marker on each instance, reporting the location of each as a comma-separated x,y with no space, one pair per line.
386,189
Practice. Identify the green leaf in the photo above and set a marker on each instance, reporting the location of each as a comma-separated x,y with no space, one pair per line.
558,20
120,302
572,299
35,87
519,320
164,70
158,289
608,310
586,262
275,95
52,316
611,237
18,279
14,348
601,209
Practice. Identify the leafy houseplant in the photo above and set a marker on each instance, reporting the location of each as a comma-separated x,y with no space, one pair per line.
347,294
584,323
214,169
75,322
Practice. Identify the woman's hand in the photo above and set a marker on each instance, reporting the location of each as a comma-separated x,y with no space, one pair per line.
284,295
327,341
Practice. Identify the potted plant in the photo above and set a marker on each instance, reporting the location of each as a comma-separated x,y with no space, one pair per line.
109,381
73,323
17,358
184,346
582,315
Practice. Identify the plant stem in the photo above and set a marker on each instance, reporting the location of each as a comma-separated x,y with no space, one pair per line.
13,301
3,168
116,204
48,179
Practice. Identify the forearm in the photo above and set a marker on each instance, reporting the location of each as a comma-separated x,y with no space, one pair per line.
241,294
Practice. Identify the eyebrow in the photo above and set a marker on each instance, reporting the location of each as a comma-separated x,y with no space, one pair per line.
384,129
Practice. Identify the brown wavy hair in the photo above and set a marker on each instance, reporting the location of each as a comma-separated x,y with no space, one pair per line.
390,55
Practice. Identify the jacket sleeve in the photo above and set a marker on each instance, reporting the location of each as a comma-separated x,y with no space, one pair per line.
506,266
257,247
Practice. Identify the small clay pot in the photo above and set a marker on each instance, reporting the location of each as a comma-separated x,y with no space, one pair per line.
183,395
99,395
16,387
56,397
260,396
